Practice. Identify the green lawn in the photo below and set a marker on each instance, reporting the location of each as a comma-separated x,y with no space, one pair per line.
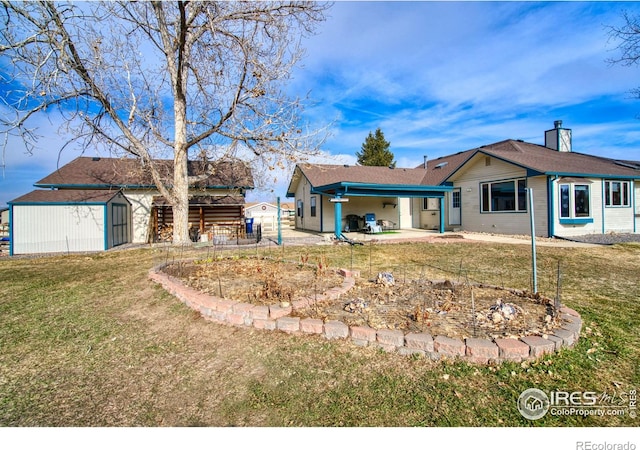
88,340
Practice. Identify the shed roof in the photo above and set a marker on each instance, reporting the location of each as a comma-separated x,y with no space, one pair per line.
65,196
128,172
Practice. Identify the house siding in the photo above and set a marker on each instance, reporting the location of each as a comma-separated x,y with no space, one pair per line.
477,172
140,214
429,218
619,219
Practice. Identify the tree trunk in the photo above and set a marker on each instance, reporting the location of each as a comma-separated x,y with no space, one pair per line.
181,195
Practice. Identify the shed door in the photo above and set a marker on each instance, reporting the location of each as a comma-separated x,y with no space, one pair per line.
120,224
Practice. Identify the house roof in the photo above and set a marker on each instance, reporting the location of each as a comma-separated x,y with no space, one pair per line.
552,162
539,159
325,174
128,172
365,181
66,196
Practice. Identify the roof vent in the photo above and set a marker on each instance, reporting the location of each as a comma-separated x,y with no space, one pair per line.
441,165
95,158
346,165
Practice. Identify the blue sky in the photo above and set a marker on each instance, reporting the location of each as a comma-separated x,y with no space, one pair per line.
438,78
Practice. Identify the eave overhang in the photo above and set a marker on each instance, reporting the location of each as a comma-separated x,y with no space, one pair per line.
351,189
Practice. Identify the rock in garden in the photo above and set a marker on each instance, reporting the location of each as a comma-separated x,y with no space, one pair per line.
385,279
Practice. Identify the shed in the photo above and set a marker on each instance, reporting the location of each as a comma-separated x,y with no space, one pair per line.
73,220
266,214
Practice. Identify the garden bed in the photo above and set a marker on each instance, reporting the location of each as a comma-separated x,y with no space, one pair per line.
438,308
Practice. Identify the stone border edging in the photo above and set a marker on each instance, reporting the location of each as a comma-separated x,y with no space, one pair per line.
278,318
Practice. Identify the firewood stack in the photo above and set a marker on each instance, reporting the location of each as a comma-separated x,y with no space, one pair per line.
165,233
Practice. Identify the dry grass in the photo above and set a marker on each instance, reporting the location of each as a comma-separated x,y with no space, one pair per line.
90,341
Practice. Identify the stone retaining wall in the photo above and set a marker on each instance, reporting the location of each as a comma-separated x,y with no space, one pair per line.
276,317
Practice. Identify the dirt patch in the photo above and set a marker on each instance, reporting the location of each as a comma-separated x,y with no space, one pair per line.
257,281
439,309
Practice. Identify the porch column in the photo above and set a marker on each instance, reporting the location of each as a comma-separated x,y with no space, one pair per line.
337,211
441,214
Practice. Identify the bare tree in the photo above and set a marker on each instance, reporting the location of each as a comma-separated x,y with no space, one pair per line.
182,80
627,37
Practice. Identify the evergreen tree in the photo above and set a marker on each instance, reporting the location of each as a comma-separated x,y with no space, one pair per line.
375,151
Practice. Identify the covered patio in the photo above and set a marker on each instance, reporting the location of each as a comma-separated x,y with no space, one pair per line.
340,193
341,198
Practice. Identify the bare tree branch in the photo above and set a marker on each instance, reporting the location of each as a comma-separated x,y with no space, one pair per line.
148,79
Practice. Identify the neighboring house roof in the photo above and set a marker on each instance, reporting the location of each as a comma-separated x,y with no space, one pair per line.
66,196
128,172
252,205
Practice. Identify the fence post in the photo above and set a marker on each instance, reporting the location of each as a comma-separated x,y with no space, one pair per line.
279,224
533,242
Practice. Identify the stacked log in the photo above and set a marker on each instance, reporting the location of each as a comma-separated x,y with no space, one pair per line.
165,233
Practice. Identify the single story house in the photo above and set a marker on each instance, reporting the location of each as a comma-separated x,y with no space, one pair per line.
116,199
484,189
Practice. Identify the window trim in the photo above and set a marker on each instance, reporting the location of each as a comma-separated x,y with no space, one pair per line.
485,188
313,206
573,218
427,200
608,194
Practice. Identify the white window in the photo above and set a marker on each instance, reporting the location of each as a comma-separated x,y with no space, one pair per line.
313,206
616,193
504,196
430,204
574,201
